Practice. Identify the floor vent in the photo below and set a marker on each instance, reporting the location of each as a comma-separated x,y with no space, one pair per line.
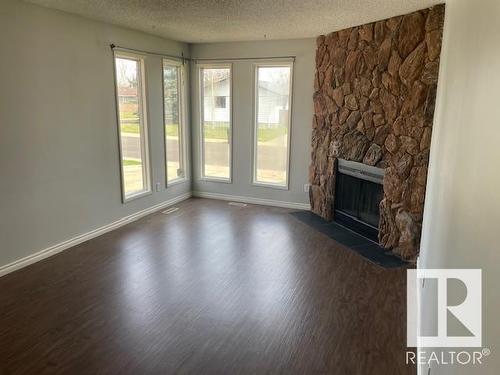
237,204
171,210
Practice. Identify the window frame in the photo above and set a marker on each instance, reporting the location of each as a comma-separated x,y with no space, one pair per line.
256,66
181,92
144,128
200,69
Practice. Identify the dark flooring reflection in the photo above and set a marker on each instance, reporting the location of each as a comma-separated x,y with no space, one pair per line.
208,289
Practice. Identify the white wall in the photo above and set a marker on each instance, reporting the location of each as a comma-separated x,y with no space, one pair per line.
461,226
243,89
58,141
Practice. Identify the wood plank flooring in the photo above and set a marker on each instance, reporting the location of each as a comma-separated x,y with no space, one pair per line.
209,289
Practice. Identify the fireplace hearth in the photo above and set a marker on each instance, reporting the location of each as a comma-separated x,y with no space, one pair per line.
358,193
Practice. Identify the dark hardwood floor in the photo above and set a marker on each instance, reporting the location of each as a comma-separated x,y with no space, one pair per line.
209,289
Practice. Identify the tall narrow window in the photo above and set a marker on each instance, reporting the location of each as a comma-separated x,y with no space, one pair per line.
174,120
215,82
133,125
272,124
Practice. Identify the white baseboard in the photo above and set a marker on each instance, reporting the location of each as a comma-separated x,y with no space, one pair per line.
52,250
55,249
251,200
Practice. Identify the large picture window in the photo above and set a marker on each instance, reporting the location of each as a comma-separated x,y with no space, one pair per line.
273,87
173,89
216,127
129,73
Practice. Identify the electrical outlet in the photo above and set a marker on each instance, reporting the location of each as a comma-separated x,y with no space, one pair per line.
158,186
306,188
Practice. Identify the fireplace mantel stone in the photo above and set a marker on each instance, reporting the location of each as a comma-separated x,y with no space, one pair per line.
375,91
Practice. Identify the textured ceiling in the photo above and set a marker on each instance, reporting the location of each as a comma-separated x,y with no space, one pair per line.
196,21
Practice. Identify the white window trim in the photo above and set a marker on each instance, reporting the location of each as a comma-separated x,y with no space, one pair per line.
202,176
182,118
256,66
145,149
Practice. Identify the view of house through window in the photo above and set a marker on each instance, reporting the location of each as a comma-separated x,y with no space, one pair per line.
173,117
216,122
271,126
133,132
272,123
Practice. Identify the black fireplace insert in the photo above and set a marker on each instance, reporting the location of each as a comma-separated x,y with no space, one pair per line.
358,192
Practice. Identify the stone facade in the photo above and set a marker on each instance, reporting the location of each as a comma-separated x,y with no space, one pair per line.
375,91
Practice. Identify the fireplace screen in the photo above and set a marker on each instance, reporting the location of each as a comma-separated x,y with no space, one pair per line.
358,193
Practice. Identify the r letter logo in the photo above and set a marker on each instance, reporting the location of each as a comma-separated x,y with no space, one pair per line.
467,311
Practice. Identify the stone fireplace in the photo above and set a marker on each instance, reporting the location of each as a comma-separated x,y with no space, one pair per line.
358,193
375,90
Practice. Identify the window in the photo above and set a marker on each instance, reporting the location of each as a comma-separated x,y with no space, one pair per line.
216,127
173,120
129,72
272,124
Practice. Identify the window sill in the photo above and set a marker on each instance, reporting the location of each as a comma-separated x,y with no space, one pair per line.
215,179
132,197
271,186
177,181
